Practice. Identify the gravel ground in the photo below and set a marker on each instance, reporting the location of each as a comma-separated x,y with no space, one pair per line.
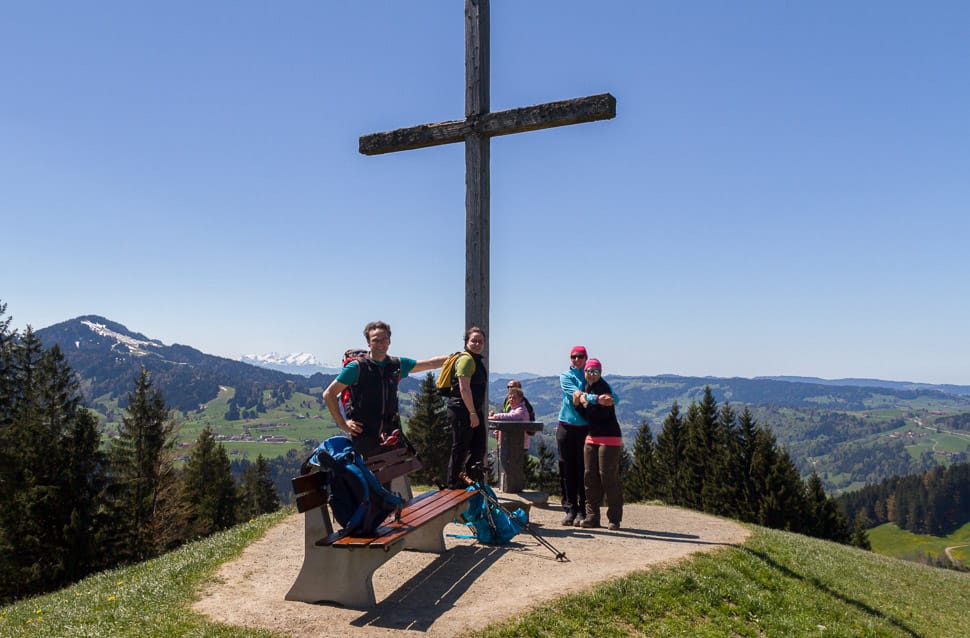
466,588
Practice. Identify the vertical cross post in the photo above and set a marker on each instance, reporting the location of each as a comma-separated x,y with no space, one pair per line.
477,155
476,131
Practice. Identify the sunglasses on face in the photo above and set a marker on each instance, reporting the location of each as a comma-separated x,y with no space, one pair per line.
592,372
577,356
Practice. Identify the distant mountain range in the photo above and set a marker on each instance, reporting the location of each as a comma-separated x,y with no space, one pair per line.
875,383
298,363
108,357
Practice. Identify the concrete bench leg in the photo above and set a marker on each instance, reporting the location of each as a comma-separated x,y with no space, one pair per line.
430,537
336,575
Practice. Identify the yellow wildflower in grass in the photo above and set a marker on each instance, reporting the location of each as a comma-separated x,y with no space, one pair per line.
111,598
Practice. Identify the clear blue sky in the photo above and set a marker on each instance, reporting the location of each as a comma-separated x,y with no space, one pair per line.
785,188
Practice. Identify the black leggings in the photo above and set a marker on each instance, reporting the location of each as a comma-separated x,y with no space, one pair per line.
468,446
572,441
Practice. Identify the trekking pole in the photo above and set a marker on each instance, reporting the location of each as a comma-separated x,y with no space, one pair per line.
527,526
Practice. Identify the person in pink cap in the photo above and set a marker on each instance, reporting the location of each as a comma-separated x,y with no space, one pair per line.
571,437
602,451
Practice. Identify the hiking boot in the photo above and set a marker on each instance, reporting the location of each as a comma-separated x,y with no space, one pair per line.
569,518
589,521
613,526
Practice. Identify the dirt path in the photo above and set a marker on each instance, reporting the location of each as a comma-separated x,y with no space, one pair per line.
949,555
466,588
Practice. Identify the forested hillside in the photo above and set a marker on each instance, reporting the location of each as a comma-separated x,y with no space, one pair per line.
850,434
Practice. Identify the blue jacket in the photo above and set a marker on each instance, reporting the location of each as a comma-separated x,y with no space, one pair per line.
571,380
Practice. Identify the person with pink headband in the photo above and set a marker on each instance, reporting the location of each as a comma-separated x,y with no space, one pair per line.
571,437
602,451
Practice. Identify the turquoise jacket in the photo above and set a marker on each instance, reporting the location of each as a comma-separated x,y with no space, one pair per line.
571,380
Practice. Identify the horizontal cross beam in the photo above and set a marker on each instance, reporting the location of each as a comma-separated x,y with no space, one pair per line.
527,118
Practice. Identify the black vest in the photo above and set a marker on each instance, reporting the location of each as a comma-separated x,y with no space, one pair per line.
479,384
373,399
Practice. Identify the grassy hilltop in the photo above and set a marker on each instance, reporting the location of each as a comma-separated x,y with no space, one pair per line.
776,584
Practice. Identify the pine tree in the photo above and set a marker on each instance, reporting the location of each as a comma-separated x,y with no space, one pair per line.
208,488
427,431
35,519
542,470
696,457
51,471
668,459
82,465
143,477
780,492
639,483
9,468
747,487
823,517
257,492
723,486
860,537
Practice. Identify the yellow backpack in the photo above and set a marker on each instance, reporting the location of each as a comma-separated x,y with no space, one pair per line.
447,377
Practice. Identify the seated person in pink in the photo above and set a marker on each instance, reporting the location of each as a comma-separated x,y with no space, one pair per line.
516,411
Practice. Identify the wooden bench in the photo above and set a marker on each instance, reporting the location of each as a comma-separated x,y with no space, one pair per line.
339,568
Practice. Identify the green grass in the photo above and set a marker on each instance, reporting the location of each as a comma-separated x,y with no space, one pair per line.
889,540
776,584
148,600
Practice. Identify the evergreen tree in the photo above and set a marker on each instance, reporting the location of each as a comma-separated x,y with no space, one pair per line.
860,537
723,486
9,468
51,471
33,519
708,446
542,470
640,481
747,483
668,459
780,493
428,433
257,492
208,489
699,451
143,477
823,515
82,465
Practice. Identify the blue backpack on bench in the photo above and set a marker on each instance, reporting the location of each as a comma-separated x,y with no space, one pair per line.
359,503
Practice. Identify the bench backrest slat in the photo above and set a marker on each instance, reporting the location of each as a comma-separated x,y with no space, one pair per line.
311,489
392,464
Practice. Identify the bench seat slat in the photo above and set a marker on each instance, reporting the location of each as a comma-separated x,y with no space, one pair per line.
420,510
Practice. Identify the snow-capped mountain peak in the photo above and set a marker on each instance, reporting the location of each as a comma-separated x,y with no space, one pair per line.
297,363
135,346
275,358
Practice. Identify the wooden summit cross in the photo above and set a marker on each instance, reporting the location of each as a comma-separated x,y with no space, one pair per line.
478,127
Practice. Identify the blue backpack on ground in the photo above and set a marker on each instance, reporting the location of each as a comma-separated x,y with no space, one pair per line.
359,503
492,524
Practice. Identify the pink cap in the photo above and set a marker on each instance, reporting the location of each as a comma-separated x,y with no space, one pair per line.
578,350
594,363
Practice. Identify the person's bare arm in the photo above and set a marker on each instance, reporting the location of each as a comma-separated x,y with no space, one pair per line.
429,364
331,397
465,387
